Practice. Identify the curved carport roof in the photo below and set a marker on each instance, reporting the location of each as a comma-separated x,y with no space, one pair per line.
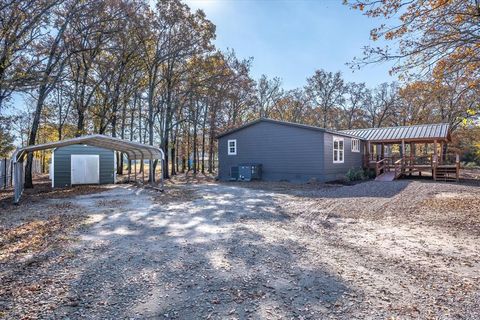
133,150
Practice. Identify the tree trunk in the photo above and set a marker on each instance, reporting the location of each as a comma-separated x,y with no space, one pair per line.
173,152
33,135
195,144
203,137
211,143
80,122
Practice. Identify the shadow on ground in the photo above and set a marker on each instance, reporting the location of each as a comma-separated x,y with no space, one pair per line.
211,257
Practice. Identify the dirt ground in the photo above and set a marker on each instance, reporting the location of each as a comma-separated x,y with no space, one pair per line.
402,249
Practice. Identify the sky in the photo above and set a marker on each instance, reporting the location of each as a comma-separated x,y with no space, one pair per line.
290,39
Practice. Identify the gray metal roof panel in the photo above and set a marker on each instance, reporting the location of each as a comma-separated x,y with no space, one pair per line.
415,132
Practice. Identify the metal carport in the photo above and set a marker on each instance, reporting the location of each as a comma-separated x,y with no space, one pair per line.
133,150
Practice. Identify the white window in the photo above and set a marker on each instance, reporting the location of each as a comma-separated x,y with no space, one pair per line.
338,150
355,145
232,147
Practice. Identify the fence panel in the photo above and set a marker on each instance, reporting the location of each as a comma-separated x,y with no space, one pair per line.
5,173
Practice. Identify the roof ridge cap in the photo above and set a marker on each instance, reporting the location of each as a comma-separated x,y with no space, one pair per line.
405,126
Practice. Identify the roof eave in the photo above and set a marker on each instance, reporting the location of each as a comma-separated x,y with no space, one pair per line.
285,123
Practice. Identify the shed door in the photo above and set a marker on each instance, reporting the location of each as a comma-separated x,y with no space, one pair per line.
85,169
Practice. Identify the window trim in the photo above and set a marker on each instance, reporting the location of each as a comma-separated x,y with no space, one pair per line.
338,139
228,147
356,145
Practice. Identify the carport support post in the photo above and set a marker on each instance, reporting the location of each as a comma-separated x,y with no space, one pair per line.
135,170
143,172
161,174
129,168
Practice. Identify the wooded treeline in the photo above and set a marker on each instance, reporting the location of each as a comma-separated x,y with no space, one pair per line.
151,74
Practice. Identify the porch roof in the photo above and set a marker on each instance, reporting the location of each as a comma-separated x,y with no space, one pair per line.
414,133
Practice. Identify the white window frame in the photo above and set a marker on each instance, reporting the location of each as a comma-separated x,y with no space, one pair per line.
232,153
355,145
337,150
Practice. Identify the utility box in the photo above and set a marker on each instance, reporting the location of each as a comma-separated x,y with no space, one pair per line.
250,171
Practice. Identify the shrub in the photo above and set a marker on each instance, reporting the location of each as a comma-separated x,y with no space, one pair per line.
370,174
354,174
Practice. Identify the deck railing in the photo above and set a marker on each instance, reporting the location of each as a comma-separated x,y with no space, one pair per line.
381,166
408,164
398,167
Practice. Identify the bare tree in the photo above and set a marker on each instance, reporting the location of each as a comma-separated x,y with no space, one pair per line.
382,106
22,24
325,89
356,99
268,92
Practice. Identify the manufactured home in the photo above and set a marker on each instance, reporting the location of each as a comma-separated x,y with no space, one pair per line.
283,151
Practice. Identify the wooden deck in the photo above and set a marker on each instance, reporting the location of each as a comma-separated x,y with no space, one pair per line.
390,169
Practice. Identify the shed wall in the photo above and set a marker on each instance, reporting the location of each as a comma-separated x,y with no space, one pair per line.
62,163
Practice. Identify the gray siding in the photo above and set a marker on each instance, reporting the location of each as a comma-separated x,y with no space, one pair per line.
335,171
286,153
62,163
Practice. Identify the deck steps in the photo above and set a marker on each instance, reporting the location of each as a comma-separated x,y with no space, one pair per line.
386,176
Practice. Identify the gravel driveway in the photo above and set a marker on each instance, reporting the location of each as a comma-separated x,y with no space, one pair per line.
231,251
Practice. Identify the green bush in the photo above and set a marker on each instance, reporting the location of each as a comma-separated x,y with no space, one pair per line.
370,174
354,174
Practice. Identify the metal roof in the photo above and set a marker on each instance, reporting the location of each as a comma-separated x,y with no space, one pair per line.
134,150
286,123
420,132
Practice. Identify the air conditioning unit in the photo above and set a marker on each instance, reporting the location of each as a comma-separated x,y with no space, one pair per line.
249,171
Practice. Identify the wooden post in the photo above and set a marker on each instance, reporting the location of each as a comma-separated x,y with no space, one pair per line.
440,158
403,156
457,164
434,160
368,154
412,163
